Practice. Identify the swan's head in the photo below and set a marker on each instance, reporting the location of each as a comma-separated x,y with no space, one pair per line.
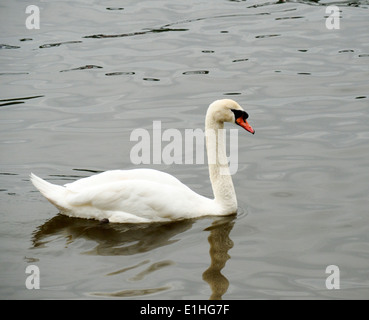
227,110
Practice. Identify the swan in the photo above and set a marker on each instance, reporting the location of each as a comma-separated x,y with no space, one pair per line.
147,195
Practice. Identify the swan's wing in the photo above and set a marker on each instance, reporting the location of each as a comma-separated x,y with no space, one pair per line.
112,176
142,198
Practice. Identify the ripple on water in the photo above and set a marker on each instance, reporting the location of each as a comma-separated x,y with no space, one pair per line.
305,88
86,67
196,72
131,292
120,73
8,102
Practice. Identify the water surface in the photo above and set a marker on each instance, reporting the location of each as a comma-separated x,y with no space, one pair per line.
74,90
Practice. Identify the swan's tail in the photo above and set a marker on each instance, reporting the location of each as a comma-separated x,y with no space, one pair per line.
52,192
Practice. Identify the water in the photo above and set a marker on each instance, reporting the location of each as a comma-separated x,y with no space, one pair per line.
74,90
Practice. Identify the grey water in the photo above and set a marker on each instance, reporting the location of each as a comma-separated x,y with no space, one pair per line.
72,91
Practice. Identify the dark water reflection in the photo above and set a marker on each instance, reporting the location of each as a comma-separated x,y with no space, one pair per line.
112,239
220,243
129,239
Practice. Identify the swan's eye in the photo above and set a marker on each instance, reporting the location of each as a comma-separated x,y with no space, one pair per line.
240,113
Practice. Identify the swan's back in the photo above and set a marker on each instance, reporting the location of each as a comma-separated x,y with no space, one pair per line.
121,175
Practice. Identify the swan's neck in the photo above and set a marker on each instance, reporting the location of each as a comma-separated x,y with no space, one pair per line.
220,177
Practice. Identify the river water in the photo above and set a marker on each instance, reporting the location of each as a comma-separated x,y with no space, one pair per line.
73,91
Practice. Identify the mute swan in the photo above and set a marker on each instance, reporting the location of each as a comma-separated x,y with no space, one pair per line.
147,195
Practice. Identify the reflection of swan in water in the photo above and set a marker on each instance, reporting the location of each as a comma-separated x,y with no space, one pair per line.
220,243
129,239
112,239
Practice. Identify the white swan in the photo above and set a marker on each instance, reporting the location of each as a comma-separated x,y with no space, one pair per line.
146,195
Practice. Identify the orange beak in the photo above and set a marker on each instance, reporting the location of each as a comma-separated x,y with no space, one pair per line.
244,124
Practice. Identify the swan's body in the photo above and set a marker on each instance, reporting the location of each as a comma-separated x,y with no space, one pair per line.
138,195
146,195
